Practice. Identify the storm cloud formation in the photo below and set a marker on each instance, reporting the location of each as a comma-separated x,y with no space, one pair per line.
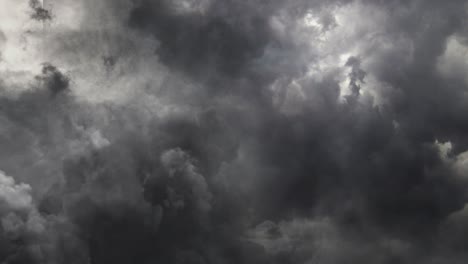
226,131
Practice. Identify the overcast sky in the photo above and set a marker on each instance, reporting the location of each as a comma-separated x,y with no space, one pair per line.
233,131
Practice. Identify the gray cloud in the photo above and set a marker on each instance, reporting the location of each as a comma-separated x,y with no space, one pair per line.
39,12
219,131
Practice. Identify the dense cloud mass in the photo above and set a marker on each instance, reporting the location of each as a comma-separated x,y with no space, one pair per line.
229,131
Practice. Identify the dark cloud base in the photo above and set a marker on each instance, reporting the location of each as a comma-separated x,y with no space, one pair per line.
340,179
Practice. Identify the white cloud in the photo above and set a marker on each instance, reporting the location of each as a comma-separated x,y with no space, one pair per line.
14,196
453,63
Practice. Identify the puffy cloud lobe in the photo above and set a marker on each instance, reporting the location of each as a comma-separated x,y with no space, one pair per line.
18,210
22,228
179,165
14,196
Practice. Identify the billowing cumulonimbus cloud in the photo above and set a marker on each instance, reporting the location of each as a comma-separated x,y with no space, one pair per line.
224,131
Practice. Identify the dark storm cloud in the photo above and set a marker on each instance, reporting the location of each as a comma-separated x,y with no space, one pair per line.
53,79
273,162
37,127
213,41
355,153
39,12
154,201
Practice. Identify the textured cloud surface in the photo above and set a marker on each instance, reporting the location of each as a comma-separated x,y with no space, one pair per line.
229,131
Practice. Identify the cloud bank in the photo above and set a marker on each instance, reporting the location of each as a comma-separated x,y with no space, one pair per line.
224,131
